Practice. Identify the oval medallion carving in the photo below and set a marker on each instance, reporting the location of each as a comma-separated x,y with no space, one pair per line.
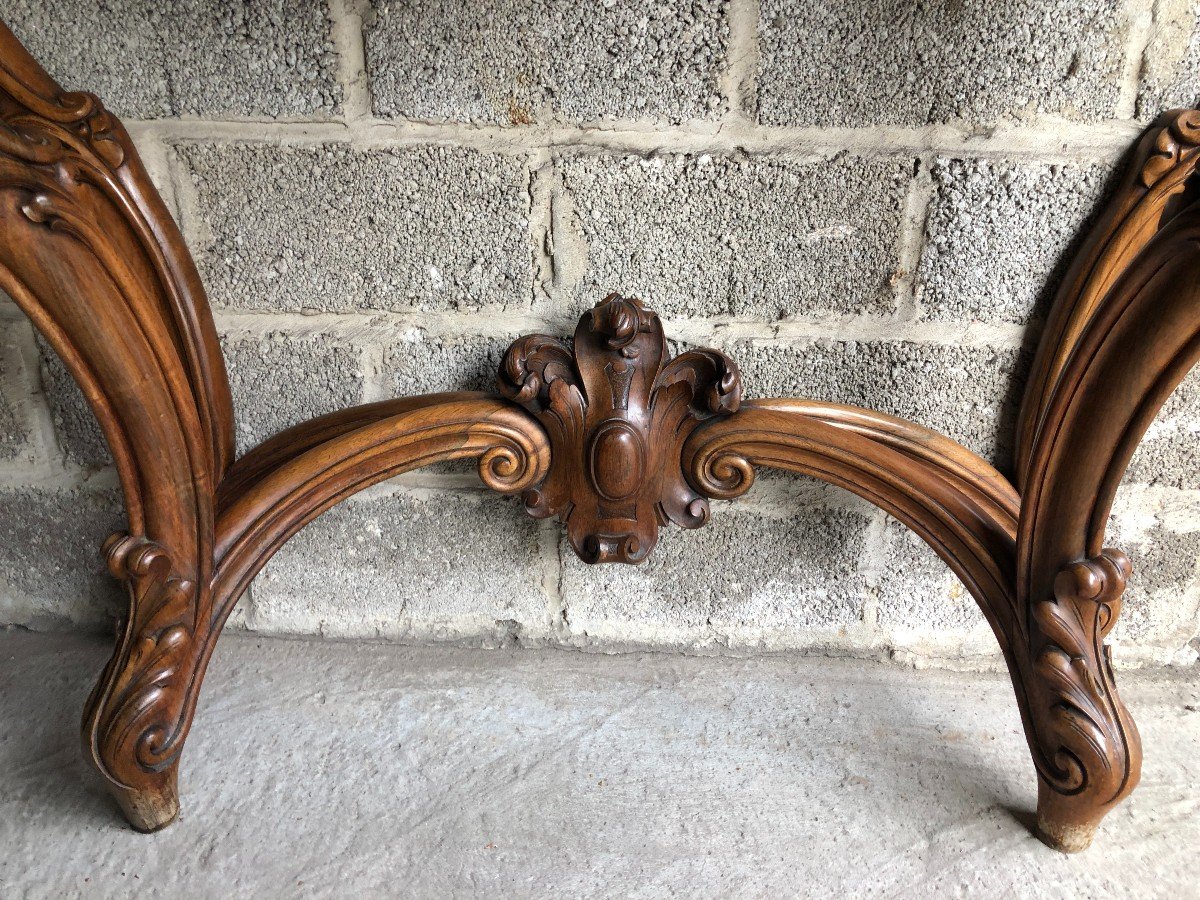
618,460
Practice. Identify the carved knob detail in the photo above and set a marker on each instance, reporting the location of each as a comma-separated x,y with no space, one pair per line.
617,461
1180,134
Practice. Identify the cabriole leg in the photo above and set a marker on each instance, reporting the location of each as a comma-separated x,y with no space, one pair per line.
1123,332
90,253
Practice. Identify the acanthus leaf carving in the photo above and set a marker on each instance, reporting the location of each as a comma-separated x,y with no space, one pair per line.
1083,736
54,116
137,711
617,411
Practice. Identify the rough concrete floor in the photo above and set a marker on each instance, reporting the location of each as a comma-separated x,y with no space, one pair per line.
345,770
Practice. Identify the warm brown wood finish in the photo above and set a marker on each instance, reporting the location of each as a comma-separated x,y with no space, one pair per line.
88,250
90,253
606,432
617,411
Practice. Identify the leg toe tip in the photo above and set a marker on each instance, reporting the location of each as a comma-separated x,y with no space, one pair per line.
1065,837
149,810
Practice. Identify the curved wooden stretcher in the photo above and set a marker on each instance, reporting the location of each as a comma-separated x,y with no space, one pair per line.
606,432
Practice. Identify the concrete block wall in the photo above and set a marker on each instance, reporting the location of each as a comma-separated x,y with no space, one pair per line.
860,200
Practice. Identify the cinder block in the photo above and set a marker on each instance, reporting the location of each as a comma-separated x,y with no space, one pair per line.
16,433
925,610
748,579
1161,533
14,437
421,566
923,606
333,228
51,573
517,63
218,59
1000,236
75,426
970,393
870,63
428,363
1171,63
758,238
279,380
1168,456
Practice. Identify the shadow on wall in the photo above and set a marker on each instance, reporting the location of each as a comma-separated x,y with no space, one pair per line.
1040,311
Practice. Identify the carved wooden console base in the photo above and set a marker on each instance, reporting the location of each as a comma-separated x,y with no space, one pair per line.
606,432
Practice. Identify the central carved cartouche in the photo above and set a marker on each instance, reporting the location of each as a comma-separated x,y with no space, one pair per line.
617,411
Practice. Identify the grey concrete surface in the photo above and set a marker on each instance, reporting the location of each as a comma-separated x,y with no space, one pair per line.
401,555
749,580
75,427
1162,600
1171,73
51,572
999,235
1166,453
15,437
325,769
334,228
422,362
280,379
150,59
517,63
759,240
969,393
867,62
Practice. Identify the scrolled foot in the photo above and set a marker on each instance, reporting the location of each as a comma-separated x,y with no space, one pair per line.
1084,742
139,713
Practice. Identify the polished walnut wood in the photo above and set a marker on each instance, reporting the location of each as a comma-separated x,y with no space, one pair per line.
617,411
607,432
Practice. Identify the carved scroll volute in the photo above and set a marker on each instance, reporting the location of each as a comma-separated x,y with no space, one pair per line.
617,413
